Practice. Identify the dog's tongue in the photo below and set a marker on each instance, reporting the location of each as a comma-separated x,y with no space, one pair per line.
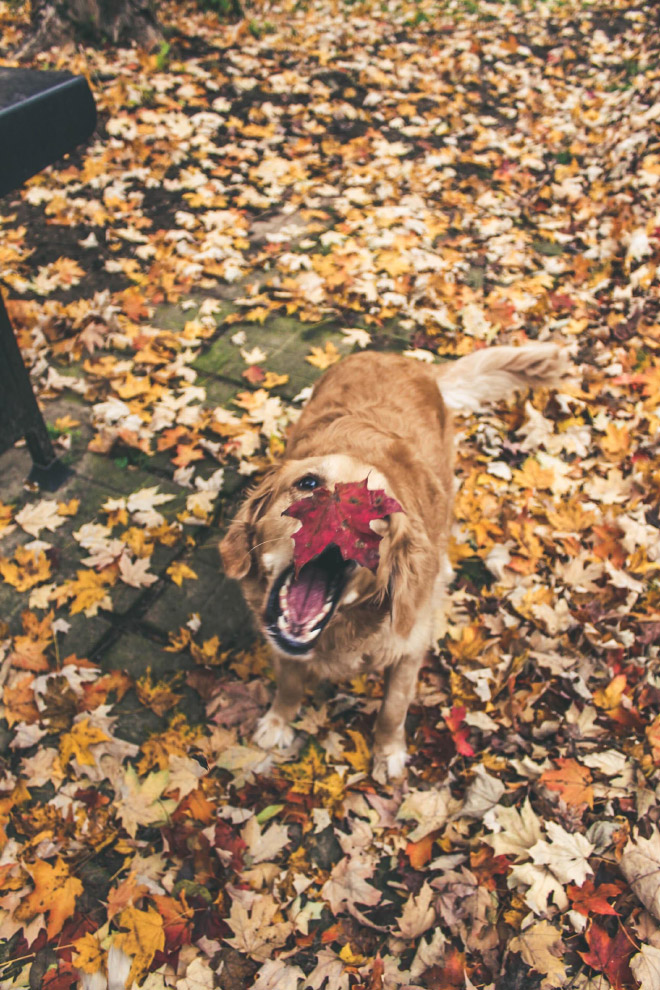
307,593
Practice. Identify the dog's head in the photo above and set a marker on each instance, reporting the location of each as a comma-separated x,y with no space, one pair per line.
295,609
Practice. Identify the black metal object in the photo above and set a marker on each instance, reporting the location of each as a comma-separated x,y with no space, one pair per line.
43,115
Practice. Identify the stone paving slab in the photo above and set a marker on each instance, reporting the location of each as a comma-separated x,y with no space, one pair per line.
286,343
217,601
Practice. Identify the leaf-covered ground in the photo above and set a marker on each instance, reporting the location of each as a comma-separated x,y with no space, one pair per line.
259,200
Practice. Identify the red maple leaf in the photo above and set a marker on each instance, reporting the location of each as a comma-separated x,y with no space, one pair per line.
341,517
609,955
458,734
589,899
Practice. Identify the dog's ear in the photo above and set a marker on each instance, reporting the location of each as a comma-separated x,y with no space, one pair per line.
411,564
236,545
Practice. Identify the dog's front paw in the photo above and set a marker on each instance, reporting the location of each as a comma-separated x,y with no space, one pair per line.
389,764
272,732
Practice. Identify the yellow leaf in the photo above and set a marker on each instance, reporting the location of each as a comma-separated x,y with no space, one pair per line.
27,569
616,442
141,937
65,423
68,508
272,380
311,775
532,475
256,315
178,571
323,357
55,892
77,742
89,956
360,757
6,516
610,697
89,591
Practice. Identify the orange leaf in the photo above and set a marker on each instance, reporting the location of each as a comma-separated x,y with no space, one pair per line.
19,701
571,780
419,853
55,892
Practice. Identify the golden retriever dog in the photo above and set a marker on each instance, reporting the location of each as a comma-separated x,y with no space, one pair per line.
387,419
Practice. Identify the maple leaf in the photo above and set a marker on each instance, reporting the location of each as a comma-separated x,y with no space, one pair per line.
141,937
542,949
341,517
459,735
571,780
360,757
640,865
348,885
588,898
257,930
179,571
273,380
40,515
254,375
264,846
55,892
418,913
89,592
159,696
311,775
645,967
19,701
88,954
565,855
76,743
136,572
519,831
141,802
323,357
610,956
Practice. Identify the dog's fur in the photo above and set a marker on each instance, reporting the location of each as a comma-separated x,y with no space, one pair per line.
385,418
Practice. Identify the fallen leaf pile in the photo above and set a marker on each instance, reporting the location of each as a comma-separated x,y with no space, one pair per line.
260,199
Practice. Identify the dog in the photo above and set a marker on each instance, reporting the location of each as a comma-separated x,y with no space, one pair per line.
388,419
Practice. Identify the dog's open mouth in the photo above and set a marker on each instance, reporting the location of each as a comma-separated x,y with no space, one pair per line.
299,608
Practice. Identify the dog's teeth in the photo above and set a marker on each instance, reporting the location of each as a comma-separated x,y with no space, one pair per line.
282,623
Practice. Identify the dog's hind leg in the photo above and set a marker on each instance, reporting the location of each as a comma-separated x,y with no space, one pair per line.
273,729
390,752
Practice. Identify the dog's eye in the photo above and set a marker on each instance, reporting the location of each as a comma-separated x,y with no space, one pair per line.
308,483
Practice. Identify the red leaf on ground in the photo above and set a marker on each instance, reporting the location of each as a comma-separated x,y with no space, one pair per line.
458,734
588,899
609,955
254,374
341,517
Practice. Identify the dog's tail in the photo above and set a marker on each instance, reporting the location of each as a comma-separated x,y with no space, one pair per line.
494,373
